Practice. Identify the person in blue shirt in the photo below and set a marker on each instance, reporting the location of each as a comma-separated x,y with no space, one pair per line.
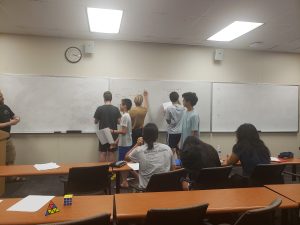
249,149
190,118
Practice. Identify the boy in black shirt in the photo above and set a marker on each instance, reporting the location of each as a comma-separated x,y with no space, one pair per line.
107,115
8,119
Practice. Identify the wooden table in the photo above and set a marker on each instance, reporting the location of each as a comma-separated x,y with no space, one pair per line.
136,205
29,170
290,191
83,206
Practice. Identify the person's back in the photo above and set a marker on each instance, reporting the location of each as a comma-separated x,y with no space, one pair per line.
251,155
197,155
174,113
138,115
153,161
108,116
153,157
249,149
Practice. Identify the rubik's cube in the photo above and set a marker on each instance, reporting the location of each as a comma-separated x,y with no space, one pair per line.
68,199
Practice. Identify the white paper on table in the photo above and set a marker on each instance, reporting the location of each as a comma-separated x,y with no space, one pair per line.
166,105
1,200
46,166
104,136
274,159
31,203
134,166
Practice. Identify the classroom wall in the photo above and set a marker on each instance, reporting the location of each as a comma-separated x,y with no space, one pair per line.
45,56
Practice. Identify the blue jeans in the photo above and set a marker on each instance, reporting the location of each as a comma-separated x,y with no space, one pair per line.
122,151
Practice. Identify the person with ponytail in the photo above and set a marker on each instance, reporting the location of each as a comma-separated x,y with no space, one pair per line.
152,156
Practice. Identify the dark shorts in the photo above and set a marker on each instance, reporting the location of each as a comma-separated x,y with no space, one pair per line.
136,133
106,148
173,140
123,151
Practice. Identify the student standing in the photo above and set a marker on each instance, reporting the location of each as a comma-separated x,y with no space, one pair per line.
8,119
107,116
153,157
124,139
190,119
173,117
138,114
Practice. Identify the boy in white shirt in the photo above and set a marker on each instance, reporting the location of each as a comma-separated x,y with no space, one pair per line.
124,139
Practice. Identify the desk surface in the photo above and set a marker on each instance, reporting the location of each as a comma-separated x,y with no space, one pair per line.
291,161
220,201
83,206
291,191
29,170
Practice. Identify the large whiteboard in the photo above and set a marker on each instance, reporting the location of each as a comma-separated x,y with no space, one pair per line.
47,104
271,108
159,93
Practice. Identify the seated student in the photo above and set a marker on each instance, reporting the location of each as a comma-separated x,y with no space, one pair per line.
153,157
249,149
196,155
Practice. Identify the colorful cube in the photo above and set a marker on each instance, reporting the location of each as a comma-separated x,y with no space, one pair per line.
68,199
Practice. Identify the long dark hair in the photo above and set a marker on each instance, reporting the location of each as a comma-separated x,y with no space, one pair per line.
150,134
249,140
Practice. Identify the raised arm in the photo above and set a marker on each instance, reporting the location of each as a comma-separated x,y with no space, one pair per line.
146,103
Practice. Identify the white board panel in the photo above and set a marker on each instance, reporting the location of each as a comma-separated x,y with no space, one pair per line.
159,93
47,104
271,108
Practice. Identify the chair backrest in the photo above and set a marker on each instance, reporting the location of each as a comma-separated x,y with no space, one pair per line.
169,181
192,216
212,178
103,219
88,180
263,216
267,174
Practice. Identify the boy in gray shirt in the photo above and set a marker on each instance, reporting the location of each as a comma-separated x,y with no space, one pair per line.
173,117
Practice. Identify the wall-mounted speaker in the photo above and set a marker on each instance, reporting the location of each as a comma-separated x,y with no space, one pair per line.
219,55
89,47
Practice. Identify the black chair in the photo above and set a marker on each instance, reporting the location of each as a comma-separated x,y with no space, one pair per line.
179,216
169,181
103,219
267,174
211,178
88,180
262,216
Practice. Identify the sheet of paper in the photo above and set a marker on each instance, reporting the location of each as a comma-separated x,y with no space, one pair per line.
46,166
31,203
134,166
101,137
166,105
108,135
104,136
275,159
